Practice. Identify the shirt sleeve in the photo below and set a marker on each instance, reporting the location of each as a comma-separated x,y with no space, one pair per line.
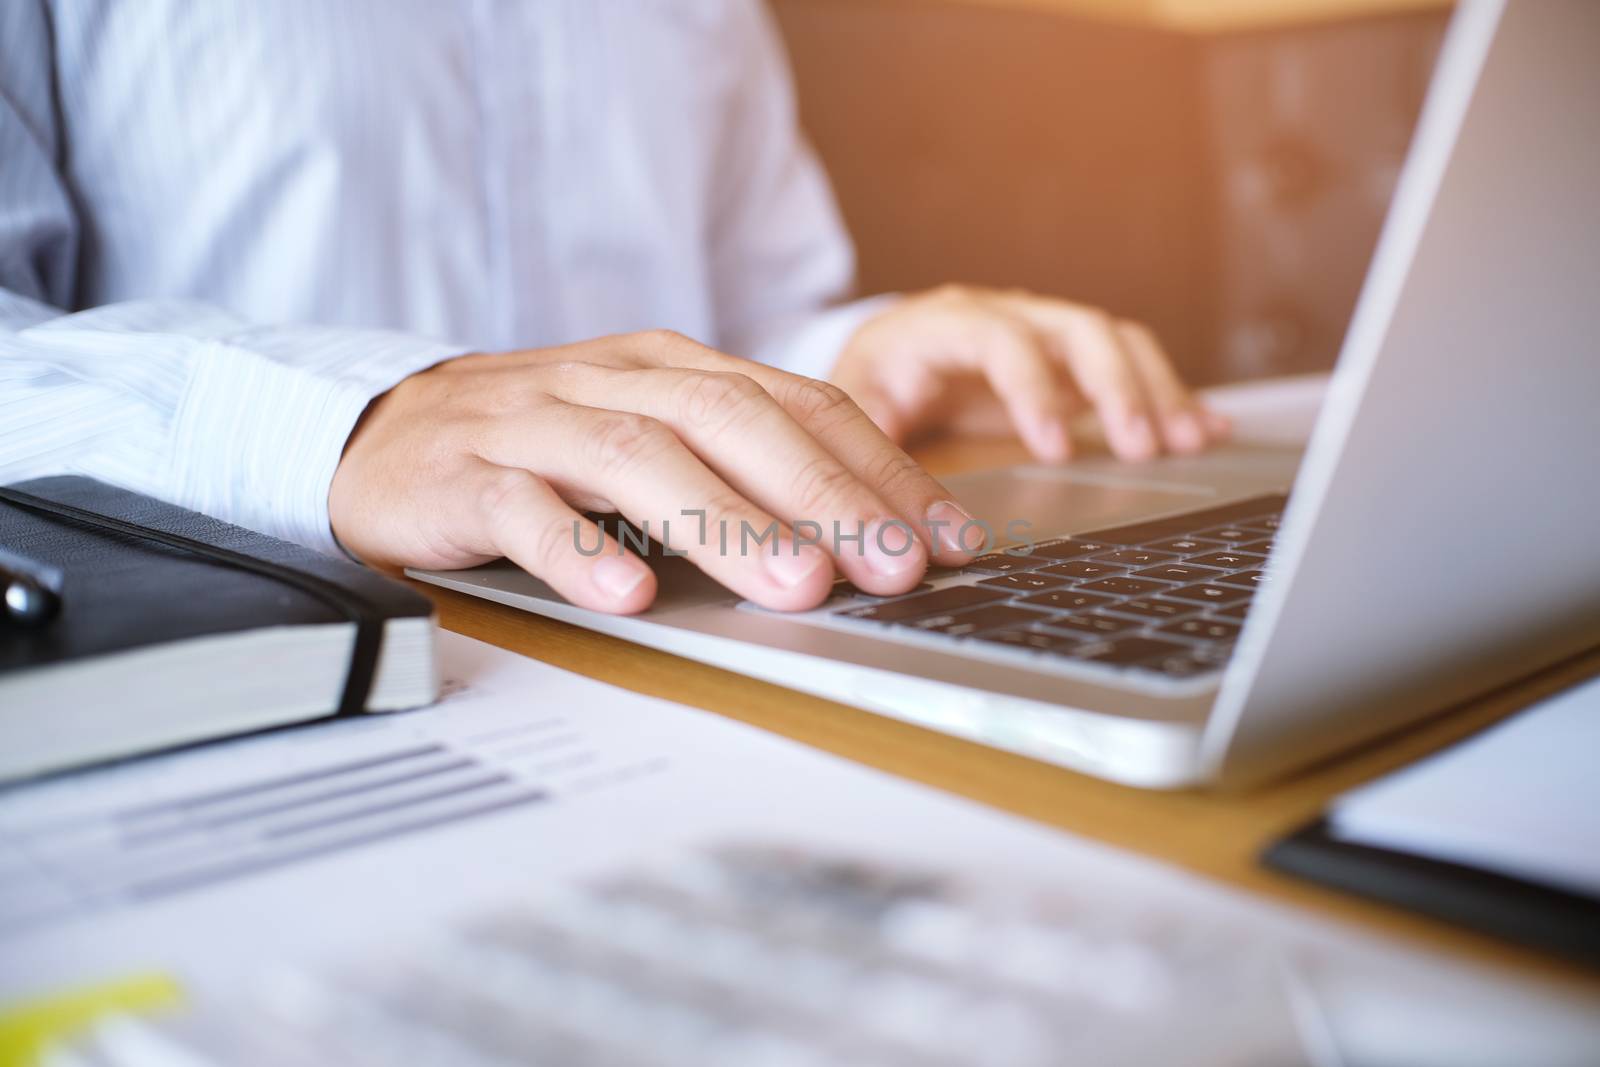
783,265
175,399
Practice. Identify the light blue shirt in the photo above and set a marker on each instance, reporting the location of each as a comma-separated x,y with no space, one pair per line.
226,225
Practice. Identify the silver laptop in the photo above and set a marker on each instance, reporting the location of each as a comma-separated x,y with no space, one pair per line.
1231,616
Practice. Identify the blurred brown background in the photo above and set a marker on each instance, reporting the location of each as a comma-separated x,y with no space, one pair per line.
1218,169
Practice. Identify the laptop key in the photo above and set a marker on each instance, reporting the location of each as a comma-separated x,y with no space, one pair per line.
1234,612
1190,523
1208,629
1034,640
1136,557
1188,546
1179,572
1231,534
1185,665
1229,560
1248,579
1126,586
844,590
1209,593
1001,563
1129,651
1065,548
1084,568
1151,608
962,623
1217,652
1092,624
953,598
1023,581
1260,548
1066,599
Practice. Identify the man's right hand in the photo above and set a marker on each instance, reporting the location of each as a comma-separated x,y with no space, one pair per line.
496,455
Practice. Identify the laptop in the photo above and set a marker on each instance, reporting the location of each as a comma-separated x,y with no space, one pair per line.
1229,617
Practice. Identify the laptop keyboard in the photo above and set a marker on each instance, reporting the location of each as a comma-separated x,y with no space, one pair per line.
1167,596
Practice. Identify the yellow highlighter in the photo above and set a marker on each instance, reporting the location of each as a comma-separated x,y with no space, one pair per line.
28,1028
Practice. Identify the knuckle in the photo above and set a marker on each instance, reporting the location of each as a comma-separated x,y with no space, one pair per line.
1006,332
667,345
725,506
823,485
565,368
551,544
661,337
622,440
1140,334
717,397
817,401
499,493
1098,319
1091,319
893,471
517,402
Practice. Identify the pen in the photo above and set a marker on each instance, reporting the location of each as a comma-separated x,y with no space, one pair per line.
32,591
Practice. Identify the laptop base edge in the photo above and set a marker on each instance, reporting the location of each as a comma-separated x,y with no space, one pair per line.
1144,753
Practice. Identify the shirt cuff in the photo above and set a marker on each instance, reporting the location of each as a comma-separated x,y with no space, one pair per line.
266,415
811,346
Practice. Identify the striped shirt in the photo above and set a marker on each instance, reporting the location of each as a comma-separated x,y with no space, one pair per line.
225,226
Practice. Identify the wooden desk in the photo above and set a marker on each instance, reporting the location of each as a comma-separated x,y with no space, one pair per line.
1215,835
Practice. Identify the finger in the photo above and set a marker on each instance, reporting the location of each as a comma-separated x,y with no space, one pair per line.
1088,342
827,413
741,432
1181,423
1218,425
876,404
663,488
1025,378
519,516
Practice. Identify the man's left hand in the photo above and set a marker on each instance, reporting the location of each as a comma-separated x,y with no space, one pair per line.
976,360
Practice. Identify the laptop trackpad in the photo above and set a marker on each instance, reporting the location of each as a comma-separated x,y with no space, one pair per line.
1044,501
1087,494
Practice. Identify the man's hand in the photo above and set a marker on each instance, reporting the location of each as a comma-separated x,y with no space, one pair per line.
488,456
979,359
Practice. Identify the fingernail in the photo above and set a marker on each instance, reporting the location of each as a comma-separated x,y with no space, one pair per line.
790,567
617,576
1139,436
891,549
1050,438
1185,431
947,519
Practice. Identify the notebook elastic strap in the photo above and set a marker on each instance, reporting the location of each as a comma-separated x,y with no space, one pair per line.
368,620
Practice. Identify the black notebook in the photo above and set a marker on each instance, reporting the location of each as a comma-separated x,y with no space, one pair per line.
1543,917
177,628
1499,832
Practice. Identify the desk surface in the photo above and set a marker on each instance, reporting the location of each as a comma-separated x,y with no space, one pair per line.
1214,834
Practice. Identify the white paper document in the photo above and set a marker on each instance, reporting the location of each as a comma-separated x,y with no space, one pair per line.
1522,798
357,841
